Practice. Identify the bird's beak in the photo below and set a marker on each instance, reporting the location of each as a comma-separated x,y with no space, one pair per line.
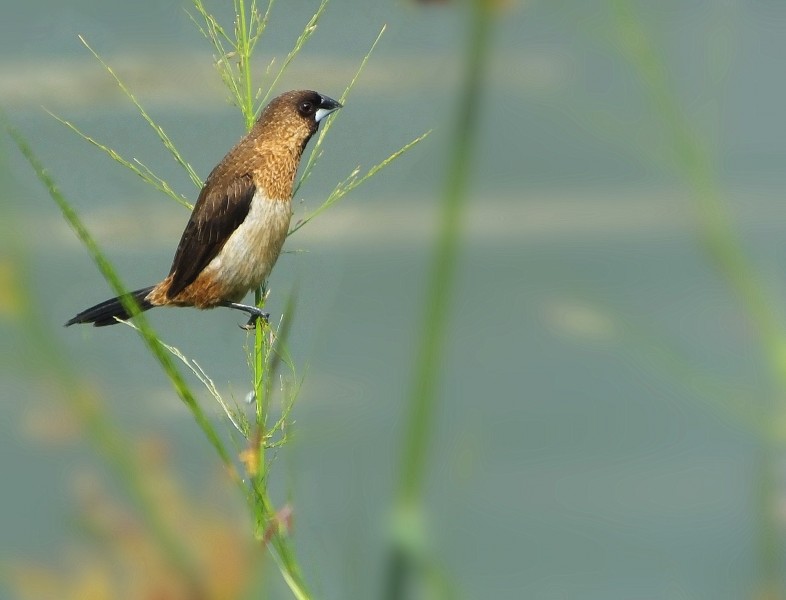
326,106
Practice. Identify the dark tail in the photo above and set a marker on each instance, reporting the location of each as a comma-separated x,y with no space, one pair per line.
104,314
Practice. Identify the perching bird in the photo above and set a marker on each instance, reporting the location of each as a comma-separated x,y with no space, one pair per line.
240,220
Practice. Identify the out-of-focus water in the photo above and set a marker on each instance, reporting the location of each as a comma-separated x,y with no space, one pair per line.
582,450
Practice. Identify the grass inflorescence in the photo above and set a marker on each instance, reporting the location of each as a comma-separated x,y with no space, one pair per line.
248,466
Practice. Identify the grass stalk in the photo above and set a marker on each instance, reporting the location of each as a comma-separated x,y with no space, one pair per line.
135,166
110,443
353,181
724,248
406,558
316,152
695,164
143,327
304,36
165,140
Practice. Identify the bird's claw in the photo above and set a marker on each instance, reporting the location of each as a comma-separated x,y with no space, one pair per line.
252,321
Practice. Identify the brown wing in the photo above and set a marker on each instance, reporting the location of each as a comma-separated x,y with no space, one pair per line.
218,212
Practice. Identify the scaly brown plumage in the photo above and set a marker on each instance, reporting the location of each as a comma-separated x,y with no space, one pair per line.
241,218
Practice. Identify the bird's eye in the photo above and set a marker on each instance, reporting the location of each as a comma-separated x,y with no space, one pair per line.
306,108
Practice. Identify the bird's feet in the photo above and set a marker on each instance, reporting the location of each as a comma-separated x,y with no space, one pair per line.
254,312
252,320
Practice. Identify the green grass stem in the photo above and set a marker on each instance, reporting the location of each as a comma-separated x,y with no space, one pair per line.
316,151
108,272
353,181
724,247
304,36
110,442
135,166
165,140
409,558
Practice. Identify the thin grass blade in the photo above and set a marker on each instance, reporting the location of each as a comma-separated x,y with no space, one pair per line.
156,128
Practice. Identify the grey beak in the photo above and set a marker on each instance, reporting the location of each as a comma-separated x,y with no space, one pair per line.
326,106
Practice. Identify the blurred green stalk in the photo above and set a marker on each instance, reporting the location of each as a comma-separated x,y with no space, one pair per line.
408,553
112,445
696,166
437,305
724,248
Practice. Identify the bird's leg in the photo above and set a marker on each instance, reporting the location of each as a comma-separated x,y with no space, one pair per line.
254,312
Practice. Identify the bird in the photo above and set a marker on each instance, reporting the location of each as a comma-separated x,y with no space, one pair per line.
240,220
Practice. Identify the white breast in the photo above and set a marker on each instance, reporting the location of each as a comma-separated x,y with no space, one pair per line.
249,254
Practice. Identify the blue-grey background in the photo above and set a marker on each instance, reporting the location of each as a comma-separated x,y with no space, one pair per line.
582,447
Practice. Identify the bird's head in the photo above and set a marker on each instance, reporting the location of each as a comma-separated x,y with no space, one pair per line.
293,117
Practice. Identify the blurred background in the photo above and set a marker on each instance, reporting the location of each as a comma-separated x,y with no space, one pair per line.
610,419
